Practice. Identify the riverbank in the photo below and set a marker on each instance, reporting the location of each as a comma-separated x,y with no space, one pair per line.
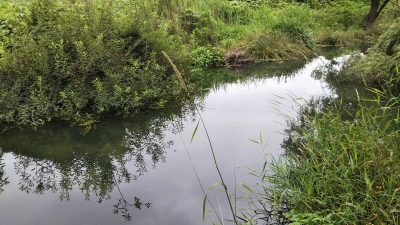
343,157
341,168
79,60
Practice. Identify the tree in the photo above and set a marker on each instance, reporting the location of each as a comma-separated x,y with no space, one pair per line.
374,11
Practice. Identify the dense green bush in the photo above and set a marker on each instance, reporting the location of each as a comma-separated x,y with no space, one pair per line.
207,57
73,62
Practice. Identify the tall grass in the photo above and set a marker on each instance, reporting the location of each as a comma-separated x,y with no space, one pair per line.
342,166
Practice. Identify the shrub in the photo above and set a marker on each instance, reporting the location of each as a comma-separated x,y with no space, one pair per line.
206,31
206,57
52,70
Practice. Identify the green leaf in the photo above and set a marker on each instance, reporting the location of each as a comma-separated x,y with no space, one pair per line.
195,131
204,207
248,188
254,141
214,185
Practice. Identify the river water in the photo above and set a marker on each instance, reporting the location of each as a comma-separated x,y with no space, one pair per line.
137,171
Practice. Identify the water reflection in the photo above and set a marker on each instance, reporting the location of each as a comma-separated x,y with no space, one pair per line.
292,143
59,159
109,164
347,91
343,97
3,178
247,74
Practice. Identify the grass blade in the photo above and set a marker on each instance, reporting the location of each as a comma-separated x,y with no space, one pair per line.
204,207
248,188
195,131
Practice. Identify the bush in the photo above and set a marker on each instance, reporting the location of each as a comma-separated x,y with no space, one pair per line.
206,31
206,57
52,70
342,15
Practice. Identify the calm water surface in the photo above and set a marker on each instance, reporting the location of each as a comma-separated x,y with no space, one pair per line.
137,171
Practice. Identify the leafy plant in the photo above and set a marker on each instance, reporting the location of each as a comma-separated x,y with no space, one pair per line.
207,57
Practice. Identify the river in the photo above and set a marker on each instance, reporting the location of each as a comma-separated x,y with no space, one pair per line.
137,171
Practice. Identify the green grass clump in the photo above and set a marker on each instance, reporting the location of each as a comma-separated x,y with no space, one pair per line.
270,47
342,167
338,38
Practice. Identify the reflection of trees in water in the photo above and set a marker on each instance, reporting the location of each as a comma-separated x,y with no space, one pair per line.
329,68
300,126
292,143
96,176
221,79
343,101
3,178
95,164
141,145
330,73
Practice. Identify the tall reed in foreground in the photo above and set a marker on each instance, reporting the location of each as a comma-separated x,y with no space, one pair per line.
181,80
